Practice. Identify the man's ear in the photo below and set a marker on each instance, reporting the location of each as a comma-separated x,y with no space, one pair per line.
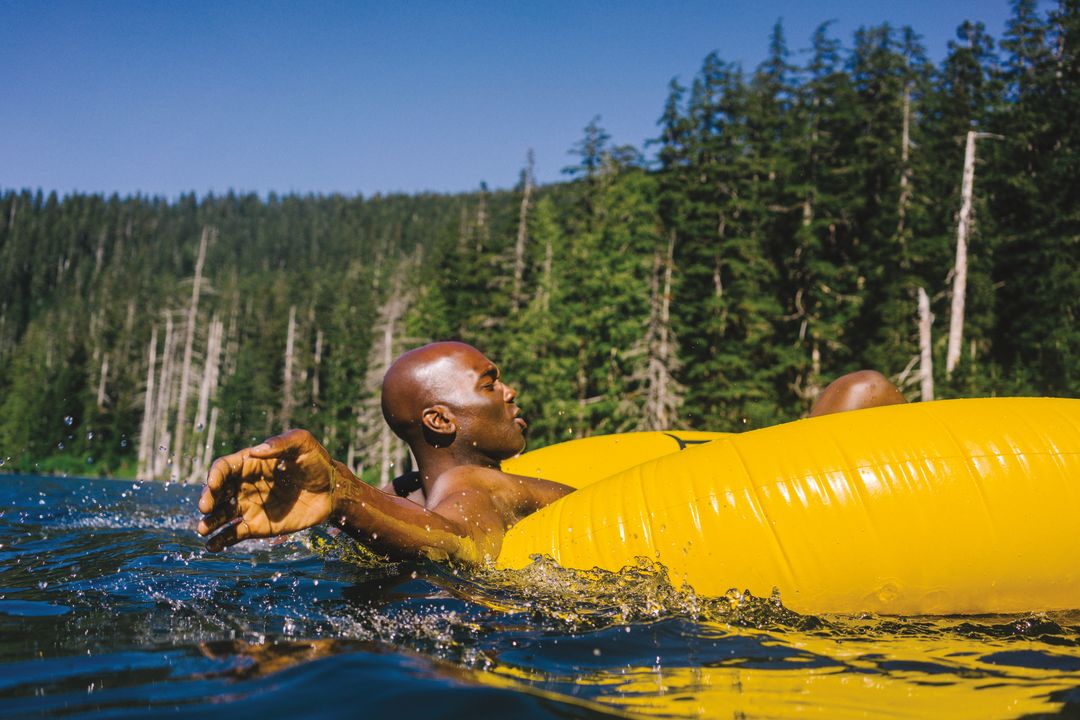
440,420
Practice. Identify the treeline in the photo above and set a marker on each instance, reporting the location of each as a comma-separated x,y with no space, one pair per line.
778,232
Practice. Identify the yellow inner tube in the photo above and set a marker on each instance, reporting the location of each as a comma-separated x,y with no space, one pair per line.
957,506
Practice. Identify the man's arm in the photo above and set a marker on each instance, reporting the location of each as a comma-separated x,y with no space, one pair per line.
289,483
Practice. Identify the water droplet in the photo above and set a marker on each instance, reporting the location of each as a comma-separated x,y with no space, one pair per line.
68,420
60,445
123,442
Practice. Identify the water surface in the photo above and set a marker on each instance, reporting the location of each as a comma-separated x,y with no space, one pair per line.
110,607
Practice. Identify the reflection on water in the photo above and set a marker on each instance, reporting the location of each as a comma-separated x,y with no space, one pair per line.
108,605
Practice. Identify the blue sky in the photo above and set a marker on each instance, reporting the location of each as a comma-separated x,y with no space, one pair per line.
167,97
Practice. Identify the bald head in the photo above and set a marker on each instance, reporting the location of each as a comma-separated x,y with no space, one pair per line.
427,376
447,396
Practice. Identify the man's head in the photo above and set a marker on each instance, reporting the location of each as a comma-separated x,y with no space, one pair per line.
448,395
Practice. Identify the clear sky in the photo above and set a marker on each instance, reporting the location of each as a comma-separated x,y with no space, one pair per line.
403,95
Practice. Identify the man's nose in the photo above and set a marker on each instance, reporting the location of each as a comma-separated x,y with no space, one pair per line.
509,393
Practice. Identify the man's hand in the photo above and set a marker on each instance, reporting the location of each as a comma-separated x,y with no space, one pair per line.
281,486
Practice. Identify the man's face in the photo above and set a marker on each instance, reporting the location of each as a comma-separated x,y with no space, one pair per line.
486,412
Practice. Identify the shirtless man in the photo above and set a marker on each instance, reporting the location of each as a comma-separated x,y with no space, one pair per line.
449,403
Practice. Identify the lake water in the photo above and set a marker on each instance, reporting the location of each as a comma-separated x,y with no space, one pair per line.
109,607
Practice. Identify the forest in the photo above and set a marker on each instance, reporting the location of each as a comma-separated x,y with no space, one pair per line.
842,206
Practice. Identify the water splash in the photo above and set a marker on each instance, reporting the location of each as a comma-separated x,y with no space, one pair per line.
82,555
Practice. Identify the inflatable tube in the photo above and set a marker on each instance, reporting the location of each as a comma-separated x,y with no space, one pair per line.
949,507
580,462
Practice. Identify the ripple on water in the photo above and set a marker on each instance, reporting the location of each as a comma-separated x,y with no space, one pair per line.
109,605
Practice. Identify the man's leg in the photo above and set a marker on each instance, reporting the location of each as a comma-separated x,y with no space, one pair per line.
857,390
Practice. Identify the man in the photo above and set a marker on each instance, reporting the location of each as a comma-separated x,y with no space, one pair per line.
449,403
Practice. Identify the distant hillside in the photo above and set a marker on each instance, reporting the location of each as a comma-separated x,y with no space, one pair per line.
782,232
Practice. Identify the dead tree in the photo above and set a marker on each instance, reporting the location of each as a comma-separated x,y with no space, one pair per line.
317,369
905,165
287,388
662,396
146,433
207,390
963,228
373,441
383,353
189,342
160,430
522,235
101,397
926,358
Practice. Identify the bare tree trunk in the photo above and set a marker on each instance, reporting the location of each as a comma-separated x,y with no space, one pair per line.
101,381
161,408
546,280
232,337
146,432
662,397
208,450
926,358
373,441
963,228
522,236
318,364
667,400
99,253
207,388
387,437
189,342
583,392
481,221
652,411
210,373
905,167
287,389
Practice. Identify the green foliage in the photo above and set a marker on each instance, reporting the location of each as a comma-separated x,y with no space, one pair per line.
799,223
